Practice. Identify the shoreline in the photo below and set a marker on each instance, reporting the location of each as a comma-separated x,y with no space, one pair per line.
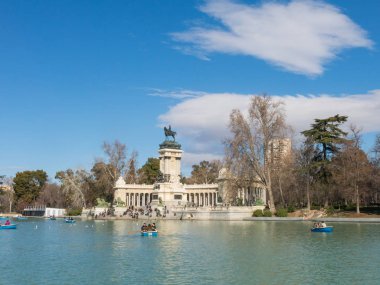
326,219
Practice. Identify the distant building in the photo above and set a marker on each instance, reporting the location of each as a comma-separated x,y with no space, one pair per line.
5,188
279,149
42,211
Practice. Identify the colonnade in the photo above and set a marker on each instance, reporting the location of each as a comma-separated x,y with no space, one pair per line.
202,199
250,195
137,199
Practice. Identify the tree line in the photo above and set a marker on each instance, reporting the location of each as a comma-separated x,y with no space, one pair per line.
78,188
328,167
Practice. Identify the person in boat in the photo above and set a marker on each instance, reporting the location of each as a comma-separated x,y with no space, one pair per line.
144,227
154,227
323,224
7,223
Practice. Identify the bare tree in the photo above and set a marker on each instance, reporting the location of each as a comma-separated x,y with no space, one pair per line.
304,166
74,185
352,168
131,169
252,137
51,195
117,164
6,193
116,156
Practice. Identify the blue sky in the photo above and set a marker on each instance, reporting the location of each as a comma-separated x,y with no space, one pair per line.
76,73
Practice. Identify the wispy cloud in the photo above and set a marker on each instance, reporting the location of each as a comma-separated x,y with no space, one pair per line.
176,94
300,36
202,122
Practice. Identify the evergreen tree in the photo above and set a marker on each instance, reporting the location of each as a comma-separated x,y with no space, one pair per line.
149,172
326,136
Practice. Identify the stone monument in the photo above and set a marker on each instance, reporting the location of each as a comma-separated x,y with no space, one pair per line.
168,189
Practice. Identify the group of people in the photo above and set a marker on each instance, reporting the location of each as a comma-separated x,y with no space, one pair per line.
320,225
148,228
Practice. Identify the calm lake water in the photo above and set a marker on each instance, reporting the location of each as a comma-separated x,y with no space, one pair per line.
188,252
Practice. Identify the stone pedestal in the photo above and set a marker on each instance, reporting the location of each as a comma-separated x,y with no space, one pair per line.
169,191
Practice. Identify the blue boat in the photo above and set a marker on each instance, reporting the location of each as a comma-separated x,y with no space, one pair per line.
322,230
70,221
8,227
21,218
149,233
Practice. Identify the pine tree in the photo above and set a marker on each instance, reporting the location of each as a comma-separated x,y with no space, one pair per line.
326,136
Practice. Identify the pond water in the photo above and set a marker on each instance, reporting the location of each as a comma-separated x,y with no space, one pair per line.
188,252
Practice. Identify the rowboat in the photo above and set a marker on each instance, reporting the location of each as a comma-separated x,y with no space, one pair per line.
70,221
8,227
149,233
322,230
21,218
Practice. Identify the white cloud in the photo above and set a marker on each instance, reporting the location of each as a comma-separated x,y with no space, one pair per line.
202,122
190,158
300,36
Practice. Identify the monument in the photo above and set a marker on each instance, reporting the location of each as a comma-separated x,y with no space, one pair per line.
167,191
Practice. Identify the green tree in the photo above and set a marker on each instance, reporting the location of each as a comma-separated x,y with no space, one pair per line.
27,186
149,172
326,135
205,172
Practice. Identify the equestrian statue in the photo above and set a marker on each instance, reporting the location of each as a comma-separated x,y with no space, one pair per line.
170,133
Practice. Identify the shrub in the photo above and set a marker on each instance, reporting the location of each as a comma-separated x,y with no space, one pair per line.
257,213
267,213
291,209
282,213
330,211
349,207
259,202
74,212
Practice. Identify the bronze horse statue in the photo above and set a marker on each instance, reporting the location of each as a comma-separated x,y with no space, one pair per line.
169,132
